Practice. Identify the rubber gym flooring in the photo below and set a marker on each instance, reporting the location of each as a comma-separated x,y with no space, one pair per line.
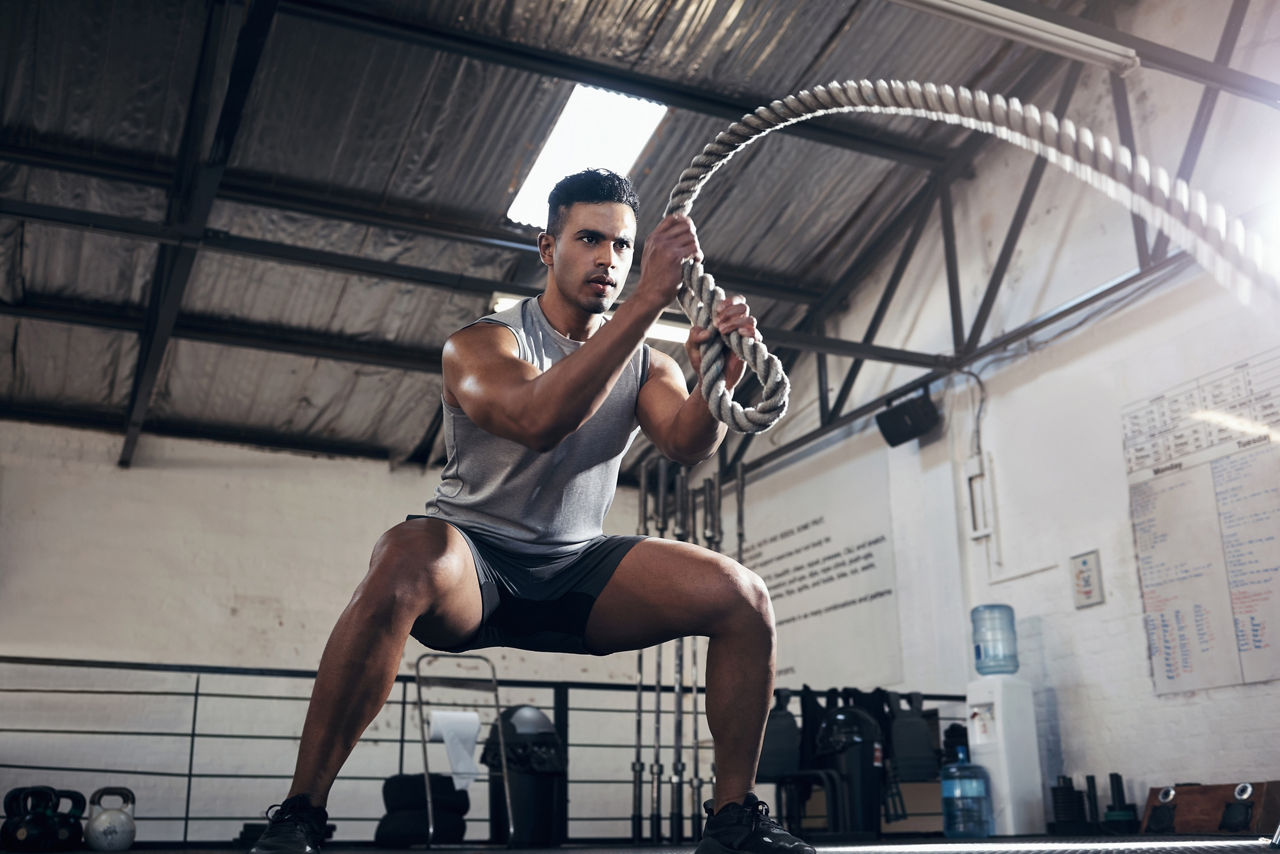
1109,845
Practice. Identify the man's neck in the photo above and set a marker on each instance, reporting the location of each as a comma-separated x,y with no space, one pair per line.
569,320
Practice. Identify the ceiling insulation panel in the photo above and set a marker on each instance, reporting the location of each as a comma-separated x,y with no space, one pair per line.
72,366
82,265
362,307
101,75
394,122
753,51
312,398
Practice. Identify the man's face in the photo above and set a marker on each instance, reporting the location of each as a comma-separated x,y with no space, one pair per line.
590,258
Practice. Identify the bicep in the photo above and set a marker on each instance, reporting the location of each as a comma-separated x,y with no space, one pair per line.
660,398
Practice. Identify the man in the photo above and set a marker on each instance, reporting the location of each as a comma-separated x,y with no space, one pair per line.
541,402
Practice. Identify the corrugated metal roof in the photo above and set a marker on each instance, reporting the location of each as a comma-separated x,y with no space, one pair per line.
419,133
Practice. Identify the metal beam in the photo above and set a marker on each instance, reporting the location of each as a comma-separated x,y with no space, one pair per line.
1204,110
875,249
421,455
1158,273
824,396
195,190
104,165
1019,219
886,299
788,339
351,15
230,244
232,333
252,190
946,213
213,240
85,220
1124,126
1160,57
113,422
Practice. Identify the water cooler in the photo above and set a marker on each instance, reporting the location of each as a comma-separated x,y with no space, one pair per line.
1002,726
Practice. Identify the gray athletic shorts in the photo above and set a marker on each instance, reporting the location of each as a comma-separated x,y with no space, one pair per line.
536,603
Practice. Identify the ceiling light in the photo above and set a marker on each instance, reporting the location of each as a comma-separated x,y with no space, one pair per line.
659,331
1031,30
596,129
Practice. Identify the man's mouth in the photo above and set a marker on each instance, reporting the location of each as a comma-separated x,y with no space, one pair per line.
602,283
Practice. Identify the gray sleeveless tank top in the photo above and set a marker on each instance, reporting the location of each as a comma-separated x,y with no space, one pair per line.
538,503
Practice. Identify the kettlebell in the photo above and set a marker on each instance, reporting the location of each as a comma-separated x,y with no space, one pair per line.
30,823
12,818
67,830
110,829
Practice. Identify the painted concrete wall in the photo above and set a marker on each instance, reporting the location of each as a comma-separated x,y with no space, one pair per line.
1052,423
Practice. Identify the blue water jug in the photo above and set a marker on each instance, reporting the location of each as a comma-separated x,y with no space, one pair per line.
966,799
995,640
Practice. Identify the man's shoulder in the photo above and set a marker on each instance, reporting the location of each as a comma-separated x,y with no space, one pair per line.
661,364
483,330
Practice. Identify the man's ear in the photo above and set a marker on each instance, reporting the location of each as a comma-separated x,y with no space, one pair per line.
547,248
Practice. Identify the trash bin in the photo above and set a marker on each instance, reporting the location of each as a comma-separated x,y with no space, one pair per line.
538,763
848,742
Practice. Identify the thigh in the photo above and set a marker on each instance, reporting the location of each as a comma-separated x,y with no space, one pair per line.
664,589
431,564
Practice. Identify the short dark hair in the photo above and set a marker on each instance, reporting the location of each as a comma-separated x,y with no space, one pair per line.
593,187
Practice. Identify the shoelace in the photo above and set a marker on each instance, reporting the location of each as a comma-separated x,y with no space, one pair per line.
282,814
762,818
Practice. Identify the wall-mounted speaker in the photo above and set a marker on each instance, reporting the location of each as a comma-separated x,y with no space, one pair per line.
908,420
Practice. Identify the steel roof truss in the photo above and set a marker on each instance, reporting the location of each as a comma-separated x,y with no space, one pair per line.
946,213
189,209
1204,111
886,299
1019,219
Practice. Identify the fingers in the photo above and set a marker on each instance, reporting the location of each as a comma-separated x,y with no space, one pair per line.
734,315
675,238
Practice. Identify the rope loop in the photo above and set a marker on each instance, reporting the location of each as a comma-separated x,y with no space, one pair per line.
1223,247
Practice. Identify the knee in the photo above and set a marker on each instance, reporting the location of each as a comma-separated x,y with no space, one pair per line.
411,568
752,599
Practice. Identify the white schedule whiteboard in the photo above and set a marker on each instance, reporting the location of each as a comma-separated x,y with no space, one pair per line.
819,533
1204,495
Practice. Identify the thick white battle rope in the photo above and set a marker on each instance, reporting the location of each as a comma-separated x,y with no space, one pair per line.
1224,248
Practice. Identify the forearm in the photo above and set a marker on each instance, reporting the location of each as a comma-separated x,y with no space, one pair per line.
564,397
695,434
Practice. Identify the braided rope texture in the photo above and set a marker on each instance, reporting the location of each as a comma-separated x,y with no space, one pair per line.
1223,247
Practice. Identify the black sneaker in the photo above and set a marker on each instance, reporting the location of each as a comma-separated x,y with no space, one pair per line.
294,827
746,827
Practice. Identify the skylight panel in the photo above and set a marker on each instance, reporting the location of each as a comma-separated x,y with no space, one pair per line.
596,129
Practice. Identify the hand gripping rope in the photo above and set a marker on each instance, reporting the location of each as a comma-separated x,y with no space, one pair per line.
1224,248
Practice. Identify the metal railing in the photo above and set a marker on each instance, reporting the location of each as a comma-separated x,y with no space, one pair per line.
213,800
